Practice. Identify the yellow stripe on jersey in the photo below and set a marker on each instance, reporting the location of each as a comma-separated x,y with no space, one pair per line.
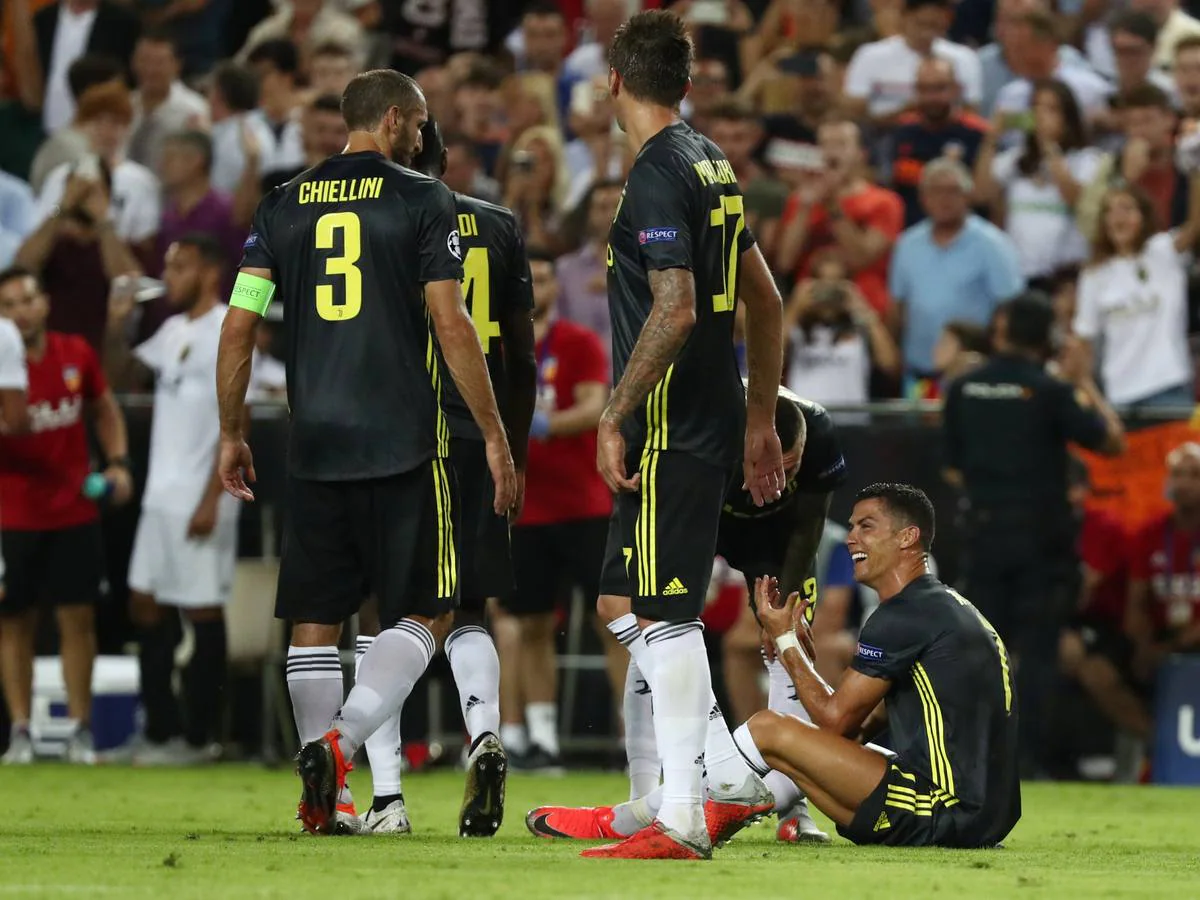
935,728
431,366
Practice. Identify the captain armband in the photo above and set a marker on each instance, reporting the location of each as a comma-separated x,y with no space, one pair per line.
252,293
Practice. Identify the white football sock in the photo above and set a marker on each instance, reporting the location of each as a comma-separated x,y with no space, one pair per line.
682,687
390,668
476,668
314,680
638,710
383,747
542,721
781,698
726,769
635,815
745,743
514,738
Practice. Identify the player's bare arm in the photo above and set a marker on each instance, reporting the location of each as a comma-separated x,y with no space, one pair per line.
763,460
114,444
464,356
234,356
671,320
843,711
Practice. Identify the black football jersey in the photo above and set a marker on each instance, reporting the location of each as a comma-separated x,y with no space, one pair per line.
496,283
682,208
822,466
952,705
350,244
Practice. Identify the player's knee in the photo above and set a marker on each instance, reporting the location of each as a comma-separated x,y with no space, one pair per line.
76,620
538,629
313,634
465,618
440,627
765,727
610,608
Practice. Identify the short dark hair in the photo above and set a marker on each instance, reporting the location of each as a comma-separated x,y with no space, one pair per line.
1029,321
207,246
197,140
454,139
431,160
90,70
238,85
160,34
330,103
482,73
12,273
653,55
787,422
906,503
972,336
369,96
732,109
1139,24
914,5
1145,96
543,8
279,53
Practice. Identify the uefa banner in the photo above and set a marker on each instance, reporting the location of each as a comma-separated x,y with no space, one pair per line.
1130,487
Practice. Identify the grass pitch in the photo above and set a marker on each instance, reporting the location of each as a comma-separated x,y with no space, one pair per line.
226,832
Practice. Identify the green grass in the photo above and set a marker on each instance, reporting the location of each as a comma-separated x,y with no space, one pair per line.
227,832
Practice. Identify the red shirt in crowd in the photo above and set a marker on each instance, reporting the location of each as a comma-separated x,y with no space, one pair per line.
1103,546
561,481
873,207
42,473
1169,559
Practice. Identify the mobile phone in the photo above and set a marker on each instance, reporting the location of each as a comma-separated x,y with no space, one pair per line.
89,167
709,12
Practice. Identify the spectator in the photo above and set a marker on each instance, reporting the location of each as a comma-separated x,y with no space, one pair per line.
1147,161
439,85
961,347
464,173
427,34
331,68
836,338
1133,35
70,144
1163,616
583,275
477,106
1033,187
953,265
736,130
803,84
306,24
162,104
596,153
590,57
51,538
710,85
202,29
997,58
541,42
1094,648
66,31
104,116
936,127
1133,300
536,185
559,539
276,64
232,96
1037,58
1174,25
1187,77
881,77
17,216
839,208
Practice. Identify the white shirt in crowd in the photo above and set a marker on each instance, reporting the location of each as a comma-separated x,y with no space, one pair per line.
70,40
1091,91
1136,308
186,429
282,148
13,374
1039,220
884,73
135,205
829,373
228,159
181,110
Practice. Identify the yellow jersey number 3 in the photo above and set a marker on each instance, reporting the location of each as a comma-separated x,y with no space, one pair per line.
345,229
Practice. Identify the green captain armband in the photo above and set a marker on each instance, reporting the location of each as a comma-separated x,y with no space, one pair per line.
252,293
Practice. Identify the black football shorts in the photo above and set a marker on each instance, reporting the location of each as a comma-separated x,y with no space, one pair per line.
485,558
393,537
904,810
663,537
547,558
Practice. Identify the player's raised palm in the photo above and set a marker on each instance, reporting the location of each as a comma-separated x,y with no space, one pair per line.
763,464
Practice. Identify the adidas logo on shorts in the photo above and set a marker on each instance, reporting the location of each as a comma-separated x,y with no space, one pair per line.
674,589
882,823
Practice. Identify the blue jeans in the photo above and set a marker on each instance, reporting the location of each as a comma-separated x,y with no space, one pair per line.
1182,396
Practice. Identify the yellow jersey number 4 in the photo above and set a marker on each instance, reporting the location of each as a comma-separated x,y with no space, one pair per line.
729,216
345,229
477,291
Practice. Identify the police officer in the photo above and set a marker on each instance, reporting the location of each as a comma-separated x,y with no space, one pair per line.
1007,426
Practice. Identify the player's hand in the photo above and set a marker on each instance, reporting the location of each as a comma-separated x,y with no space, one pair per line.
774,615
763,464
122,484
610,458
236,466
514,511
504,476
204,519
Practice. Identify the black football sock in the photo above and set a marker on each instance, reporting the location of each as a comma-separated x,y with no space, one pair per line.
156,660
204,682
